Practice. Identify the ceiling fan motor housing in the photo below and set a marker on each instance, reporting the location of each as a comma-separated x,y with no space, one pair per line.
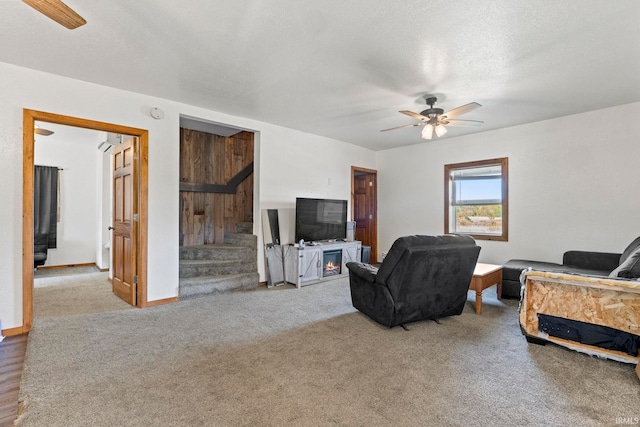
432,111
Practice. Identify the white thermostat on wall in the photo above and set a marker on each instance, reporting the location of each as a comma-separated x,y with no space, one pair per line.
156,113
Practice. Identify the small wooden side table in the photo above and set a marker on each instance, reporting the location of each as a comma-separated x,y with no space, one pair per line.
485,276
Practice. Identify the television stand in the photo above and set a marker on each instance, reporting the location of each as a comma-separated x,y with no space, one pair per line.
319,262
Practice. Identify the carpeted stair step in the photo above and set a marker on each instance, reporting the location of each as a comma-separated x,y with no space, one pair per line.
195,268
206,269
197,286
241,239
218,252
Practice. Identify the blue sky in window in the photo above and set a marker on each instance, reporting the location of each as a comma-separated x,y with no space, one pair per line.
481,189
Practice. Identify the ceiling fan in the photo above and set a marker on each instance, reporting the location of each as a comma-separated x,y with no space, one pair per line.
58,11
435,119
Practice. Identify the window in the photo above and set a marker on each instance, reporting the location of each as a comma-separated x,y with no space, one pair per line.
476,199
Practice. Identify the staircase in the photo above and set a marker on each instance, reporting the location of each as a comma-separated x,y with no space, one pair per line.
231,266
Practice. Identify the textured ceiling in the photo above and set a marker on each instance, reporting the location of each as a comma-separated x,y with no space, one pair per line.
343,69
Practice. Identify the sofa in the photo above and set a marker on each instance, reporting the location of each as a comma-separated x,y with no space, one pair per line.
422,277
585,263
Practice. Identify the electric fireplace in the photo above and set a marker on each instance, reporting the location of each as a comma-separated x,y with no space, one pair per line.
332,263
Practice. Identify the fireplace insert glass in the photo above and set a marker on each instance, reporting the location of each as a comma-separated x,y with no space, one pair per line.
331,263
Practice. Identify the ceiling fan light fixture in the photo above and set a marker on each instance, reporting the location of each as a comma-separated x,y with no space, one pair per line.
440,130
427,132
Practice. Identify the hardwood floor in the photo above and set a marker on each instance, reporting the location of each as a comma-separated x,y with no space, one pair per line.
12,352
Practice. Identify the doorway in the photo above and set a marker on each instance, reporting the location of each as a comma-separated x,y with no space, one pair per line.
140,197
364,206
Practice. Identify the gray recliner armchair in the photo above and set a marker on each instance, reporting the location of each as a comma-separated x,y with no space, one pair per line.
422,277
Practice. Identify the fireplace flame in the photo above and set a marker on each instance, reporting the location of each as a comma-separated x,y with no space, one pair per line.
331,269
331,266
332,263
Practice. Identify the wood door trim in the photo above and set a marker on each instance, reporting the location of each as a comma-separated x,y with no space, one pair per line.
354,170
29,117
14,331
163,301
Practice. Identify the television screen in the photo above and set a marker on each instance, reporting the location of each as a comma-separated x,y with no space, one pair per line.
320,219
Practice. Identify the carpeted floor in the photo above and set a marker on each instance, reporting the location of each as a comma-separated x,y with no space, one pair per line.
70,291
283,356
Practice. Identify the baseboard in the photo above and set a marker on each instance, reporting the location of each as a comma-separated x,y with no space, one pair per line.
87,264
262,283
14,331
162,301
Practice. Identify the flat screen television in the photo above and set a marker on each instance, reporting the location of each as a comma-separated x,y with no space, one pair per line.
320,219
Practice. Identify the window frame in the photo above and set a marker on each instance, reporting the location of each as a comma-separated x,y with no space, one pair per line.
503,162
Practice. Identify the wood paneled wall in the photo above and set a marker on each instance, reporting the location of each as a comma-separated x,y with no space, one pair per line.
212,159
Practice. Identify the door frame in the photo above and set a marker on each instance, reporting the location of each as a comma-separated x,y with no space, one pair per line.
29,117
358,170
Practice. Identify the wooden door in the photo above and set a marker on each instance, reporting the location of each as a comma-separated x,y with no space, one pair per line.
365,210
125,219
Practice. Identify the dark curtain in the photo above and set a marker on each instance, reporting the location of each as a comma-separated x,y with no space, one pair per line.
45,203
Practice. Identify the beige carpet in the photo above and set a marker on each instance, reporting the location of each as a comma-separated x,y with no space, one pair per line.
70,291
289,357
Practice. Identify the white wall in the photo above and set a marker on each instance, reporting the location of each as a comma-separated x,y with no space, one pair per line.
313,167
74,152
573,184
103,207
290,164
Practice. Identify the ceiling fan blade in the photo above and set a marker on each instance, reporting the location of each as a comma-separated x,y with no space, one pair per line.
405,126
462,110
43,132
458,122
58,11
414,115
